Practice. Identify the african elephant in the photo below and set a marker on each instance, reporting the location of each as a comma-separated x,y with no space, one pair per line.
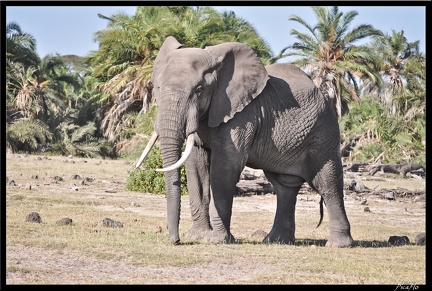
234,112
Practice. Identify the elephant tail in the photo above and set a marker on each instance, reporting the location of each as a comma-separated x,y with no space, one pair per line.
321,212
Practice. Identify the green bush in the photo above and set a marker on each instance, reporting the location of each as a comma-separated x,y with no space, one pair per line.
397,137
368,151
147,179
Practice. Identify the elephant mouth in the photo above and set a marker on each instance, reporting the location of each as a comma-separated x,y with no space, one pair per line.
190,141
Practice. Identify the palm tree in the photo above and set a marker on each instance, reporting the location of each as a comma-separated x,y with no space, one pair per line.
403,70
240,30
40,89
128,47
122,65
26,134
329,54
20,46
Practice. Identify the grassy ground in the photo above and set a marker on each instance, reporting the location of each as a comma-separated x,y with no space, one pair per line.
87,252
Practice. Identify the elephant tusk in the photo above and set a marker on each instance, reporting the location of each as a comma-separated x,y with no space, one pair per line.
147,149
188,150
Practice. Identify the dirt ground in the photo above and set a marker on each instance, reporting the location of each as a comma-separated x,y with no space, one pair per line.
60,267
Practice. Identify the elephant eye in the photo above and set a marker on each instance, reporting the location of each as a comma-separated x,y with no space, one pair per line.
199,90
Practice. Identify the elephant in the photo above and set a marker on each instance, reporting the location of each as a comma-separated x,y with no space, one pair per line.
233,112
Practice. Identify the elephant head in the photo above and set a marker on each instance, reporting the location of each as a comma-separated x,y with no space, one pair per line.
192,85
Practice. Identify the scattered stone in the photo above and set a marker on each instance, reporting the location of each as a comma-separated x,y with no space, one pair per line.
420,239
158,229
359,186
76,177
89,179
58,178
35,177
64,221
135,204
12,183
111,223
39,158
389,196
398,240
110,191
33,217
420,198
28,187
366,209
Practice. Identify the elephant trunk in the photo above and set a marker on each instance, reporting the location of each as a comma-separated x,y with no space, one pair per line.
173,127
171,149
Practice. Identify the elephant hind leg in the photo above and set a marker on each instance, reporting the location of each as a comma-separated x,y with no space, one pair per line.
286,188
329,184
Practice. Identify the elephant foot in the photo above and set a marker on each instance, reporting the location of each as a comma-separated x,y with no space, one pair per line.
280,235
218,237
340,241
278,239
197,233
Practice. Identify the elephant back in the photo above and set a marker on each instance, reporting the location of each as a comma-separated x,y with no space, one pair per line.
292,79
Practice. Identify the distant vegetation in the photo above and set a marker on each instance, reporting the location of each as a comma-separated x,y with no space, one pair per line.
95,105
74,63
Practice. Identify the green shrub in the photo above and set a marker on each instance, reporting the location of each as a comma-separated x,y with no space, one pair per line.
368,151
397,137
147,179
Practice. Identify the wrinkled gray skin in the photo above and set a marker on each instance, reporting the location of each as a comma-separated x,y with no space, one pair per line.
244,114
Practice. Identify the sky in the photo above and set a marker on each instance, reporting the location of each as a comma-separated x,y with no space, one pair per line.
70,29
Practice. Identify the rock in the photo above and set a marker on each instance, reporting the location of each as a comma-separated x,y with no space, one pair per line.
33,217
398,240
158,229
420,239
389,196
366,209
111,223
64,221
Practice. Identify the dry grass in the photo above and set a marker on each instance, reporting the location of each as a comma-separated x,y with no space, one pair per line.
87,252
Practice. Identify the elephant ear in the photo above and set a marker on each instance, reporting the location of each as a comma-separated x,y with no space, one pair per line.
170,44
241,77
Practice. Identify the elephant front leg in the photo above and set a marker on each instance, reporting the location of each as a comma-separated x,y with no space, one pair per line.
198,183
223,180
